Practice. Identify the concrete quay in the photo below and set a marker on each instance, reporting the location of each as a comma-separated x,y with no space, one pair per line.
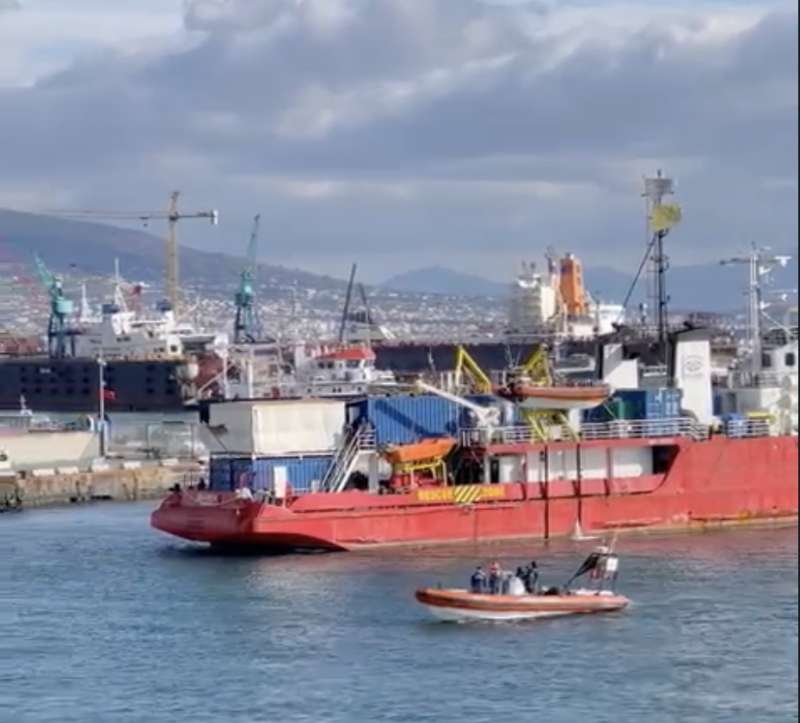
122,481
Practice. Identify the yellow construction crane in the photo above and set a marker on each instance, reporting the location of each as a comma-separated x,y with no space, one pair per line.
172,215
466,365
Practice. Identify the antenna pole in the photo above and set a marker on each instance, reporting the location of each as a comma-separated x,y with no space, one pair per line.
172,251
347,298
654,191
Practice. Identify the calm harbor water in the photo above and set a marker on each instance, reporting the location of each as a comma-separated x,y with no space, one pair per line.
103,619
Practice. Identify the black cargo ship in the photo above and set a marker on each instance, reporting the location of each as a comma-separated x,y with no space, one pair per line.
74,384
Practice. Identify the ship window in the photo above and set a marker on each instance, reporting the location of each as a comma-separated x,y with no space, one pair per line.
352,364
85,391
766,361
150,391
789,359
173,348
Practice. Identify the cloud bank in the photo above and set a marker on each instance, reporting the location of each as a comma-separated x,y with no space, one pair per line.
410,132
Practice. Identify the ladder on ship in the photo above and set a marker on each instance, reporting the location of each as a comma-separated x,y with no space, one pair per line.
357,441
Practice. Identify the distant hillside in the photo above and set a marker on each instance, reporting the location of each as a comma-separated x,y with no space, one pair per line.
440,280
91,248
708,287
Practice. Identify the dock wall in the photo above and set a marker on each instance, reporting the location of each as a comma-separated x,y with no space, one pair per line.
43,487
28,449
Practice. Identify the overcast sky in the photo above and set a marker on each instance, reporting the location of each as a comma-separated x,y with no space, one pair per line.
403,133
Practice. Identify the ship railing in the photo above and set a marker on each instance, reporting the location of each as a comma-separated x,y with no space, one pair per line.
644,429
618,429
736,428
759,379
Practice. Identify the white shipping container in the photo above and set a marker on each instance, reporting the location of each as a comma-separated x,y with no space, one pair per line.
279,426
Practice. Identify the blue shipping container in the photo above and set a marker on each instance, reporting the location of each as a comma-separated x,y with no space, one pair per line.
406,418
662,403
259,474
219,477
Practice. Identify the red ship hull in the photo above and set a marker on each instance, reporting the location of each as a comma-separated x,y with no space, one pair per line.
711,482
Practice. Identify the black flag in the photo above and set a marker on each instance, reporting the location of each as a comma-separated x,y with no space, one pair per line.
588,565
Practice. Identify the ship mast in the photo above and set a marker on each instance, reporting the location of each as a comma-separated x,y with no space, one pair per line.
654,191
759,263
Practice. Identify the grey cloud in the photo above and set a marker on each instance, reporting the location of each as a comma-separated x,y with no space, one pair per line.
6,5
456,101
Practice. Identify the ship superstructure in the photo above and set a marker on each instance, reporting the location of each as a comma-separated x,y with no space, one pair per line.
556,305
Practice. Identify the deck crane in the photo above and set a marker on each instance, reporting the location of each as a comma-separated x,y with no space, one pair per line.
542,422
172,215
487,418
58,331
247,325
476,378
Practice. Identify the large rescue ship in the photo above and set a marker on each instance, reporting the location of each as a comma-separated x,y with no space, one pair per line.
389,483
653,440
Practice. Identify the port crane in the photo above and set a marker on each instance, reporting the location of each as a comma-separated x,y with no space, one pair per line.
58,329
247,325
172,215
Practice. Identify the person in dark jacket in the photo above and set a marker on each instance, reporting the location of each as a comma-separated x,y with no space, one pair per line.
495,578
531,577
477,583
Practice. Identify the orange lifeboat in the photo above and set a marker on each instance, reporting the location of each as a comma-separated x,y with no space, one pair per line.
533,396
426,449
461,606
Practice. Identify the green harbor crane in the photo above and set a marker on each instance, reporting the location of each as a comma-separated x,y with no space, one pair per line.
247,325
59,332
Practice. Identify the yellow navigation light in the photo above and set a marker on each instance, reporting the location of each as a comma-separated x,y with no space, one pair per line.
664,217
